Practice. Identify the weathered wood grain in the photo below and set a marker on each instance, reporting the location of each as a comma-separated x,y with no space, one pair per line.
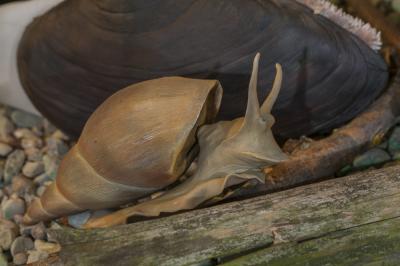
373,244
230,229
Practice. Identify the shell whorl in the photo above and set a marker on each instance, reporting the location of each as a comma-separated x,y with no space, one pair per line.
131,146
79,187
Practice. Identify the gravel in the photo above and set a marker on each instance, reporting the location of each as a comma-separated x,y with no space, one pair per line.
31,150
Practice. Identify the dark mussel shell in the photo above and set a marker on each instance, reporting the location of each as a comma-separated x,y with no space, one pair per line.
82,51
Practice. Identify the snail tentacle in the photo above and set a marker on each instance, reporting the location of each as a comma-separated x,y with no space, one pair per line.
231,153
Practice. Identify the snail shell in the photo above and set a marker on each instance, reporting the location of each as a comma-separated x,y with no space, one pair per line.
147,141
82,51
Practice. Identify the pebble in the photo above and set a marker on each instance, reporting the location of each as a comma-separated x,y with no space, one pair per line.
5,149
51,164
372,157
47,247
34,154
6,128
22,185
24,119
58,134
40,180
33,169
24,133
21,244
20,258
78,220
56,147
13,165
14,205
38,231
8,233
31,143
24,173
35,256
394,141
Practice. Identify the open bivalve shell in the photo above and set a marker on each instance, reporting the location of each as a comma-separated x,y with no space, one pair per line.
82,51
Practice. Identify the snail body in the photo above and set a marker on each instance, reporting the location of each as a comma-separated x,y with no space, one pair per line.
144,137
80,52
138,141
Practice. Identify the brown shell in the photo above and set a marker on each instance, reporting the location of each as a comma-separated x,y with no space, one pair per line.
139,140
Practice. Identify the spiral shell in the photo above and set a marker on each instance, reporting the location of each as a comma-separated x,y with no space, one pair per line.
139,140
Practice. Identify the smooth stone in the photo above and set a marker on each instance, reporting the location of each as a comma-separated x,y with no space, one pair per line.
22,185
47,247
24,119
31,143
5,149
13,165
6,128
372,157
34,154
32,169
394,141
20,258
38,130
21,244
14,205
56,147
38,231
55,226
51,164
8,233
35,256
24,133
40,180
58,134
78,220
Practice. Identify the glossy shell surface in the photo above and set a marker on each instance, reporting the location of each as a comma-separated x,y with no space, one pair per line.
79,53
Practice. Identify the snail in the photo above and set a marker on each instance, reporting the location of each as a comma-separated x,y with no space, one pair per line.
143,138
81,51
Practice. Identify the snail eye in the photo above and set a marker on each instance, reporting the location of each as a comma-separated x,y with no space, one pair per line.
269,119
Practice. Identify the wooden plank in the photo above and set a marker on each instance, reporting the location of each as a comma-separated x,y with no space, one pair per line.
233,228
372,244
